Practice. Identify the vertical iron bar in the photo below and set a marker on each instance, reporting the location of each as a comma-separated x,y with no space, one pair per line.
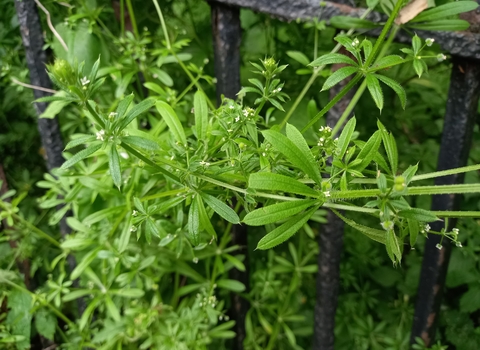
330,241
460,115
226,41
49,129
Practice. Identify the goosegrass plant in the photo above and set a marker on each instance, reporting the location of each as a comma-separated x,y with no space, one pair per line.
152,208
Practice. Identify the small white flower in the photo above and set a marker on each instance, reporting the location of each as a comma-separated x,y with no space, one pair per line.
112,115
84,81
124,155
441,57
439,246
133,229
134,213
455,231
429,41
231,107
327,193
237,119
230,130
195,260
100,135
427,228
459,244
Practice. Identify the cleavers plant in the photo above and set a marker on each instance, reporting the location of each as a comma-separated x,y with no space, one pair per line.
176,188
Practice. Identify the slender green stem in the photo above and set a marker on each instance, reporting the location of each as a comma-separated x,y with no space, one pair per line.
384,32
162,22
163,194
445,189
94,114
351,105
350,208
221,184
334,101
149,162
132,18
446,172
457,214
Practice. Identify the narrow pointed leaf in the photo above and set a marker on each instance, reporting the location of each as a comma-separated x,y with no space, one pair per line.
449,9
375,90
338,76
285,231
114,166
418,214
193,224
450,25
276,212
201,114
140,142
205,222
136,111
80,141
372,233
393,246
413,230
345,137
285,146
123,106
221,208
281,183
332,58
390,147
395,87
171,118
369,150
299,57
86,261
81,155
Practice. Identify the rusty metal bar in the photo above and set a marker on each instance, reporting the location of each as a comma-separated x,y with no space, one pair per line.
462,44
461,111
226,40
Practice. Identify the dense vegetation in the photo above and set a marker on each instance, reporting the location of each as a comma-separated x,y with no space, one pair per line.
156,176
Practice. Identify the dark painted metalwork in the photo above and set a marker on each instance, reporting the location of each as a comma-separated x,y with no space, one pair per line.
226,40
330,242
462,44
461,111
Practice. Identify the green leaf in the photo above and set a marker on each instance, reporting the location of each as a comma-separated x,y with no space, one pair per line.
369,150
193,224
86,261
114,166
285,146
417,65
347,22
102,214
88,312
93,72
221,208
81,155
374,234
54,108
155,87
338,76
367,48
128,293
112,309
418,214
80,141
19,317
345,137
395,87
76,243
387,62
375,90
170,117
416,44
140,142
332,58
444,25
299,57
201,114
76,294
297,138
277,212
390,147
393,247
204,219
285,231
233,285
143,106
281,183
410,173
413,230
45,323
442,11
123,106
